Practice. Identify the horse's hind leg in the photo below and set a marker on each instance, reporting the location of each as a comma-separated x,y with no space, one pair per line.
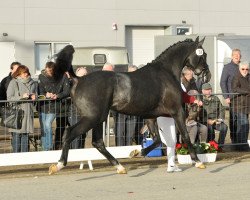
153,129
97,142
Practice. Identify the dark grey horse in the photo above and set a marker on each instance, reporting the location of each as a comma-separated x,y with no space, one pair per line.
150,92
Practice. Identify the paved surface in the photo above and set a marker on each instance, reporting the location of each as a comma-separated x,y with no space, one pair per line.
228,179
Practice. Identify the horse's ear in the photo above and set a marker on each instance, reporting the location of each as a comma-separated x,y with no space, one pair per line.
201,42
197,39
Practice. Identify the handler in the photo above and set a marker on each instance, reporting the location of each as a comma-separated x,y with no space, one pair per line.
167,133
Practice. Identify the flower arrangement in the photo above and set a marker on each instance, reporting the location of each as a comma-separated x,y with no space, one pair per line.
201,148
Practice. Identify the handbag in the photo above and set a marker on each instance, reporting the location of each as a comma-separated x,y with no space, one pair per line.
12,115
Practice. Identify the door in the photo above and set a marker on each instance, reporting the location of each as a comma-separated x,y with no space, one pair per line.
140,43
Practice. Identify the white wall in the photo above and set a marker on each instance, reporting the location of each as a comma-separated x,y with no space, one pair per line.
7,55
89,23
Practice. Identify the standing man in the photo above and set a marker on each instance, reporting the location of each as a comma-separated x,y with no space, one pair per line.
5,82
228,73
241,105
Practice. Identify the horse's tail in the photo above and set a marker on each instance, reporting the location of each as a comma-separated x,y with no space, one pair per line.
64,62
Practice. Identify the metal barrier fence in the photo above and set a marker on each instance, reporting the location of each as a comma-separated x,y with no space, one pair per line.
118,130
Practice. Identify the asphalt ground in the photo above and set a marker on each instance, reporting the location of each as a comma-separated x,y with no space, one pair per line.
227,178
103,165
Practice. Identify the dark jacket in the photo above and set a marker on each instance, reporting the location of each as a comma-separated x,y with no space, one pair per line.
4,85
228,73
49,84
241,85
213,109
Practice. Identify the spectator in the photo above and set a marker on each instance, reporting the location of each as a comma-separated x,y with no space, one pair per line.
188,80
108,67
132,68
5,82
213,115
55,91
197,131
22,86
74,116
241,105
228,72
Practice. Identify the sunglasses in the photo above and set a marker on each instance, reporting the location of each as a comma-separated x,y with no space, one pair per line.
244,69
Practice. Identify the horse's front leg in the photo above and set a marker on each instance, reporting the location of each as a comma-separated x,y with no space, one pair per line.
70,134
179,119
153,129
97,142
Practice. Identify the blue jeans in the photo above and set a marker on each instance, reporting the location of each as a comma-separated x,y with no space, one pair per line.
222,128
46,120
20,142
242,128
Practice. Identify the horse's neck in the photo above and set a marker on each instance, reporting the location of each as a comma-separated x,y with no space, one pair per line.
177,72
179,63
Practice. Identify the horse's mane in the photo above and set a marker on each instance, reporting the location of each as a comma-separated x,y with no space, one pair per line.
163,54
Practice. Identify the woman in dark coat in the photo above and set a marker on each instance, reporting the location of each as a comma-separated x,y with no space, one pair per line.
241,103
53,90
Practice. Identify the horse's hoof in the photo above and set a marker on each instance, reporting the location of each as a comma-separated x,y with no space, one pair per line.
200,165
53,169
121,170
134,153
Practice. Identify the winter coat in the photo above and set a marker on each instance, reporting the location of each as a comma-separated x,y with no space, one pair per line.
228,73
61,88
241,85
15,92
212,109
4,85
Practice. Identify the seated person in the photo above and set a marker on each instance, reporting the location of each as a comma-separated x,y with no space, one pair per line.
214,115
197,131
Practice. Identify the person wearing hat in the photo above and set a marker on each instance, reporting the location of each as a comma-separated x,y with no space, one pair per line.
213,115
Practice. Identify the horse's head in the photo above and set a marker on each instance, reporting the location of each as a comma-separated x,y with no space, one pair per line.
63,61
197,61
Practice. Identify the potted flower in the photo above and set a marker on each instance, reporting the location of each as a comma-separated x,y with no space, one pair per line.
206,152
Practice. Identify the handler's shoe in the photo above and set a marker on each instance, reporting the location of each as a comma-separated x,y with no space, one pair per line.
174,168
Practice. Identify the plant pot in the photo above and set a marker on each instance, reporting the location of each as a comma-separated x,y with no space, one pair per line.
207,157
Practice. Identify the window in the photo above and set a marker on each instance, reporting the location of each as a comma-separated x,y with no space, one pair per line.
44,52
100,59
183,30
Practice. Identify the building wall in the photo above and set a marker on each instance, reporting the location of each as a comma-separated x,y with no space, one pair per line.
89,23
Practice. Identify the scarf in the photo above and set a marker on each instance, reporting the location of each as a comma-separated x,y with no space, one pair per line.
24,80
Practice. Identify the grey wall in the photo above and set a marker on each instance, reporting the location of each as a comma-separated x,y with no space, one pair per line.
89,23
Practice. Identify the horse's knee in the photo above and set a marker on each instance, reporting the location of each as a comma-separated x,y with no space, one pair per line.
98,144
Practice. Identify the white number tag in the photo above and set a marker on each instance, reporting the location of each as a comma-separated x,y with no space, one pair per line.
199,52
